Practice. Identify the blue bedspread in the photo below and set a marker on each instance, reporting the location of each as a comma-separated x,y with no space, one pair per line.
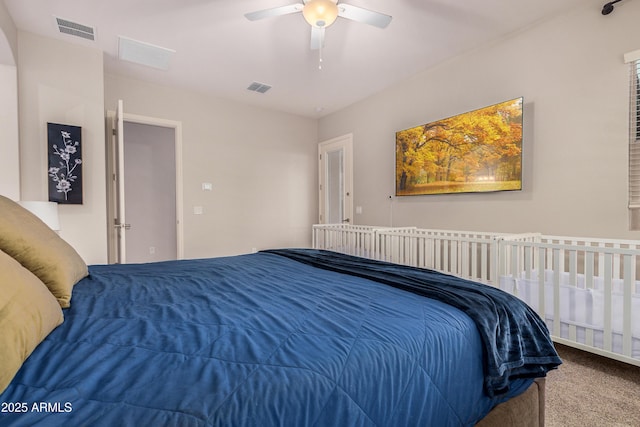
252,340
516,340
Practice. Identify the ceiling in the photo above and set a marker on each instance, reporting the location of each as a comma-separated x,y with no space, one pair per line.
219,52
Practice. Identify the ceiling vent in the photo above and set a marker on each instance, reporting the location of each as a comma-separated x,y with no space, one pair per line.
258,87
144,53
75,29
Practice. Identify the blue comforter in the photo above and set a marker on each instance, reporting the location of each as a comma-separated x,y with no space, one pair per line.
251,340
516,340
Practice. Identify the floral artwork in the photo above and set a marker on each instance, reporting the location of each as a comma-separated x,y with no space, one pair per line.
65,163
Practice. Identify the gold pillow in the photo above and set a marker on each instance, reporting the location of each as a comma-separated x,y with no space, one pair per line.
28,313
40,250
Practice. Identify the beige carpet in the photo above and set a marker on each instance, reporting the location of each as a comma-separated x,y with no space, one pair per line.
592,391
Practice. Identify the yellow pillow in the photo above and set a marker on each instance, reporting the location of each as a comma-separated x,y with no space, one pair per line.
28,313
40,250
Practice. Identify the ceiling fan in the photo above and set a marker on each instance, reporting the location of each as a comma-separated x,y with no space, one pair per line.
322,13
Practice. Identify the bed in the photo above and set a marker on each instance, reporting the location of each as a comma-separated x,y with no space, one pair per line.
279,337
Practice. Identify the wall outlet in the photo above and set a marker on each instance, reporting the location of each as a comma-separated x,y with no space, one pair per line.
152,250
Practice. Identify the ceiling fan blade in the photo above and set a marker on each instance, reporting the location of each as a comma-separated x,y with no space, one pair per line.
365,16
317,38
276,11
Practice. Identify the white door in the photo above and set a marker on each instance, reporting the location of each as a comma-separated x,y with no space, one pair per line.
336,180
122,207
150,192
120,223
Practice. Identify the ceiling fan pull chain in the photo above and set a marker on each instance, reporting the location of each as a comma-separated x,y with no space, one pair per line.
320,57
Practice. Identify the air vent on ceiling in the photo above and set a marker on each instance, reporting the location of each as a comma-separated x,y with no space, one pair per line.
144,53
258,87
75,29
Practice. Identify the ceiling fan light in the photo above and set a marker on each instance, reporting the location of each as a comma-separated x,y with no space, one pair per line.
320,13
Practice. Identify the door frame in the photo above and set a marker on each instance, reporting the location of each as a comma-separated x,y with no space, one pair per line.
344,142
112,178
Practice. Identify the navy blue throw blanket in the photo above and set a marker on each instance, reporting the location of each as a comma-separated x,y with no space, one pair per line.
516,341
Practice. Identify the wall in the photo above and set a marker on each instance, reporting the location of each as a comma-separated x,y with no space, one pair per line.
571,73
63,83
9,160
9,143
262,165
8,37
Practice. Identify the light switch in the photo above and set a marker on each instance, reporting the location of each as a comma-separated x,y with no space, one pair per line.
207,186
197,210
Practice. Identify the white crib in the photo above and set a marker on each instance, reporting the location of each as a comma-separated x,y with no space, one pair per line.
468,254
359,240
585,289
344,238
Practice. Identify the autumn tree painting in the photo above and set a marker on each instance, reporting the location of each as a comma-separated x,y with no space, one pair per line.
473,152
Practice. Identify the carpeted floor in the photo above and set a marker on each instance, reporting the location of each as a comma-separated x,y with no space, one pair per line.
589,390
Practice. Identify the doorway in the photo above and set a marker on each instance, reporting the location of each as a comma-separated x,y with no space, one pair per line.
145,197
336,180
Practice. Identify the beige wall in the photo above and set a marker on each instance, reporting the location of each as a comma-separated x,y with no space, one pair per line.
575,86
8,37
262,165
9,144
63,83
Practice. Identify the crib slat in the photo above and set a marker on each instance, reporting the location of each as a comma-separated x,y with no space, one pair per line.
541,282
573,267
589,284
556,289
445,256
616,263
470,260
453,257
490,275
526,253
629,272
588,270
425,257
608,338
514,261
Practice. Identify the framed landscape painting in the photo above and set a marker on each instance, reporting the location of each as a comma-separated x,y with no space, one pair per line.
478,151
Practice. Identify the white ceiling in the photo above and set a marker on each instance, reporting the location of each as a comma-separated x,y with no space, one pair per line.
220,52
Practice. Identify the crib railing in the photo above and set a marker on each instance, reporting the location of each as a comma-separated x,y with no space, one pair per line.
472,255
344,238
586,289
573,257
468,254
349,239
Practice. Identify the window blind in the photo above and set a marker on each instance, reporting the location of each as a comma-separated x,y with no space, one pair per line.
633,59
